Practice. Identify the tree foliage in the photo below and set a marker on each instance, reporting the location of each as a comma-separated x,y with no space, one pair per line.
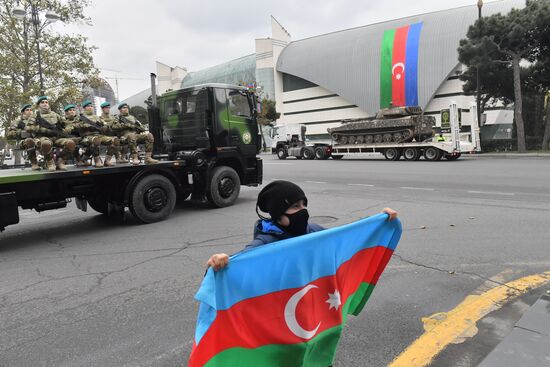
500,46
268,112
67,61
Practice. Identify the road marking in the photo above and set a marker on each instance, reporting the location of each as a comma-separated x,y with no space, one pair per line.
316,182
492,193
417,188
365,185
453,326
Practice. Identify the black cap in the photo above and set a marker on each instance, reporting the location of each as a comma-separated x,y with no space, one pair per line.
278,196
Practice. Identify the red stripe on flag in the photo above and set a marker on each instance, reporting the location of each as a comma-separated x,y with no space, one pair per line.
398,66
261,321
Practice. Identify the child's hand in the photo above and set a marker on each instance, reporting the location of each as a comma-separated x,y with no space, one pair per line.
218,261
392,213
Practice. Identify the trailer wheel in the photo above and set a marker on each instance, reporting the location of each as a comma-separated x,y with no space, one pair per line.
152,198
451,157
281,153
432,154
411,154
308,153
392,154
99,204
224,187
320,153
337,157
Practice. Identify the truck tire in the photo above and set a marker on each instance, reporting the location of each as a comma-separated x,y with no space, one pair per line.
99,204
432,154
281,153
392,154
411,154
308,153
152,198
320,153
224,187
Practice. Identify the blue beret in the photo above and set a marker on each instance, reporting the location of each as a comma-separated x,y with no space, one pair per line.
105,104
123,104
86,103
68,107
41,98
25,106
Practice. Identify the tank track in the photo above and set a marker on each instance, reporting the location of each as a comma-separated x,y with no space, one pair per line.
376,137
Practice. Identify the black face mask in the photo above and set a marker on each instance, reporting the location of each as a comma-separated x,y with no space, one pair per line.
298,223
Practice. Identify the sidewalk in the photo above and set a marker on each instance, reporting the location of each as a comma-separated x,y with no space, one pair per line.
528,345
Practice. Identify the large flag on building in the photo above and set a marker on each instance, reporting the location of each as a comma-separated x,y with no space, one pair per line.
399,66
286,304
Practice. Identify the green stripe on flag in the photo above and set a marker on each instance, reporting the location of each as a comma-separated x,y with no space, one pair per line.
318,351
385,68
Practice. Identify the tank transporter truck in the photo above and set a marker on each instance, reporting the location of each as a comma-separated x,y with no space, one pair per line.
405,132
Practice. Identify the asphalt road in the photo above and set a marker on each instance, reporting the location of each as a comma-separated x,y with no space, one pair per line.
77,290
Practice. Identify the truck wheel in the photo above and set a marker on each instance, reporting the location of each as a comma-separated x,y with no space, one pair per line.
224,187
152,198
320,153
392,154
411,154
99,204
432,154
308,153
281,153
337,157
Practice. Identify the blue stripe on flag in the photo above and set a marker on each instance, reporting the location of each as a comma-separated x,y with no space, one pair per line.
411,65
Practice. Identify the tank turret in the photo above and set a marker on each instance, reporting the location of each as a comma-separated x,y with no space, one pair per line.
391,125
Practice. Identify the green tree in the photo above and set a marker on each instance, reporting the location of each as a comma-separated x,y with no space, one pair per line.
66,60
268,114
497,45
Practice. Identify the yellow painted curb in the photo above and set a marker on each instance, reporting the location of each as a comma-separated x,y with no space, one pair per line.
456,324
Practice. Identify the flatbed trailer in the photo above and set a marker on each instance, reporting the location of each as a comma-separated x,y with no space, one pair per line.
149,191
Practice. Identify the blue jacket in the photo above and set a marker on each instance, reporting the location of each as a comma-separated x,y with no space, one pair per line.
265,232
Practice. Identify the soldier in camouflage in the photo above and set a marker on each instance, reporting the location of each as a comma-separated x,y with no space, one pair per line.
108,121
16,131
131,130
91,130
71,118
46,128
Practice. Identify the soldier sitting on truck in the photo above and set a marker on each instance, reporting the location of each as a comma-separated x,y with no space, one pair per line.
71,118
131,131
108,120
16,131
47,130
91,132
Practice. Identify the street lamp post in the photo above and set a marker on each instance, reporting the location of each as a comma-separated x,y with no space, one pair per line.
19,12
478,93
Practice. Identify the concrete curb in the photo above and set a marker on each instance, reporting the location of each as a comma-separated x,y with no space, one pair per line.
527,344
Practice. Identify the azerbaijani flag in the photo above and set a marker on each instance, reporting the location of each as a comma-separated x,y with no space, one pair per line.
286,304
399,66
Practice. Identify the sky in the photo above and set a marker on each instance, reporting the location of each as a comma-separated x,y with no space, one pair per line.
131,36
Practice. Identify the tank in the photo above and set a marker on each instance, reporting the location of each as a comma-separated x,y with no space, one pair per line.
391,125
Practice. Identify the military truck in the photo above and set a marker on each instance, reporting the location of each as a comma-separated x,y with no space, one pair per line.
289,140
405,132
206,138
